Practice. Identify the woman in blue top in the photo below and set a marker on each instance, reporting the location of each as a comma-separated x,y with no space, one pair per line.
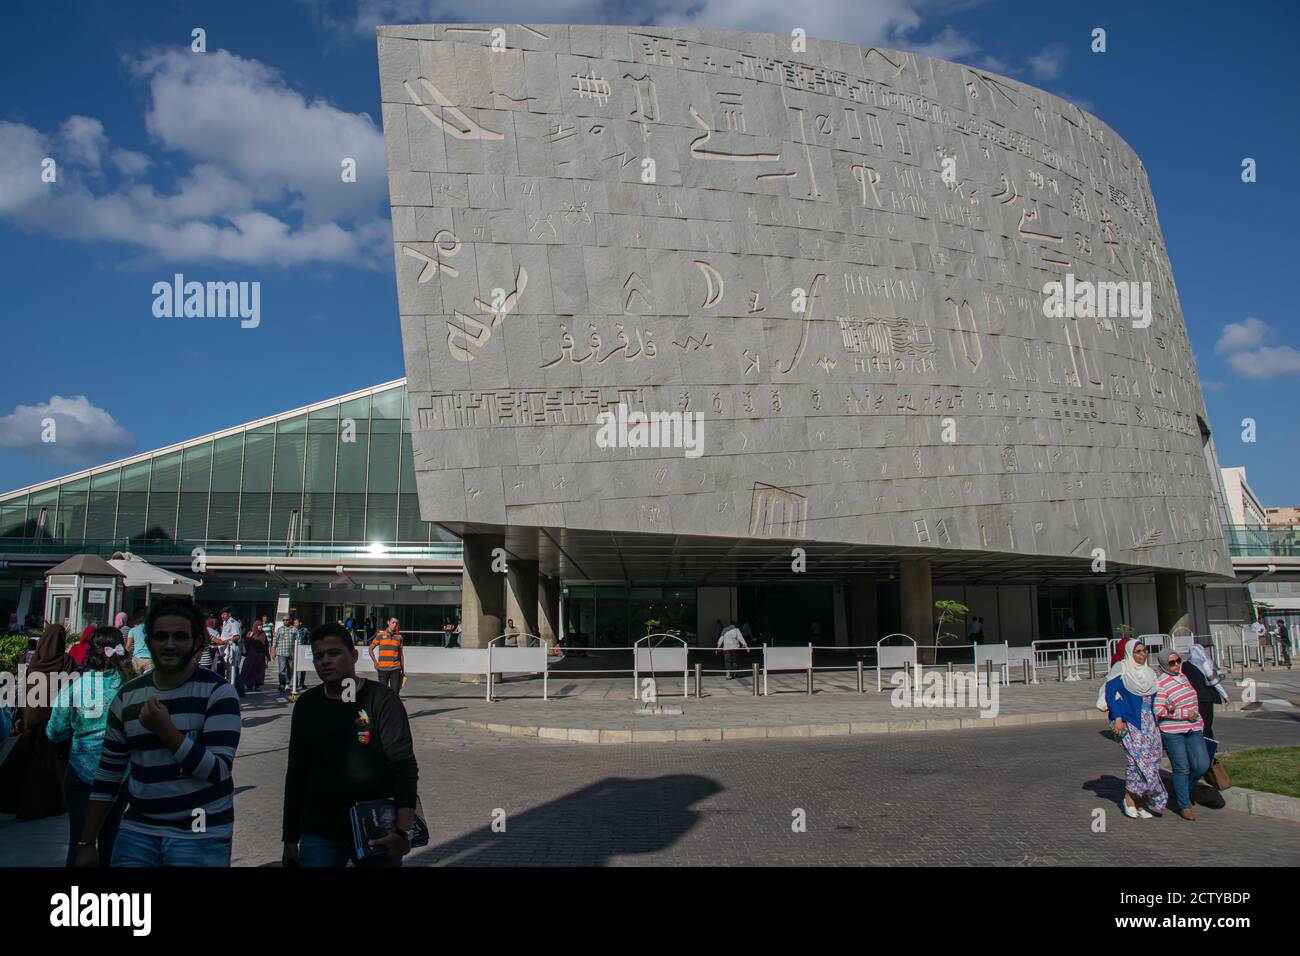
80,713
1128,697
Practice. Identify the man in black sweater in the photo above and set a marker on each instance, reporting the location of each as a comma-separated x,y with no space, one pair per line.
349,742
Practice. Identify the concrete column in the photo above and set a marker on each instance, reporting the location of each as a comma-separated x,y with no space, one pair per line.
548,609
841,615
916,602
1171,602
521,595
482,595
862,610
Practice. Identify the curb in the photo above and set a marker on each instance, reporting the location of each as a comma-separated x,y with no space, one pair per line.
1260,803
624,735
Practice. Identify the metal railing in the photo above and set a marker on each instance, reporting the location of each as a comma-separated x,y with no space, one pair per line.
1245,541
159,547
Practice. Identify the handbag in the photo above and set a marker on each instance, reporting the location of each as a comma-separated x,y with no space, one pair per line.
1217,775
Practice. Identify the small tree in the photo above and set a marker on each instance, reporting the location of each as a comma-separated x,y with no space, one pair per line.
949,611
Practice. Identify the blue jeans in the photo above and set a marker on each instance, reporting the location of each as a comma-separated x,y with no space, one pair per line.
1190,759
286,670
318,851
141,849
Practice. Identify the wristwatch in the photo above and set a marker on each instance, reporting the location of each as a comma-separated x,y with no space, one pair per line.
410,834
81,843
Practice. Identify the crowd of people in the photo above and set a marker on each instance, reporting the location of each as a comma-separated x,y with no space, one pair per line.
144,768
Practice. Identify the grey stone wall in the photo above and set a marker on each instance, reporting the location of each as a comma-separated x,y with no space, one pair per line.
542,280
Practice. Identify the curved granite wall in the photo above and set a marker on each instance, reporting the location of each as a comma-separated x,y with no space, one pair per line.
837,258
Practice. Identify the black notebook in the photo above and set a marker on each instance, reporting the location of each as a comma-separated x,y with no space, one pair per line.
375,819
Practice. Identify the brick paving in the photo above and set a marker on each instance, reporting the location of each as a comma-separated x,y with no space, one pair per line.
1014,796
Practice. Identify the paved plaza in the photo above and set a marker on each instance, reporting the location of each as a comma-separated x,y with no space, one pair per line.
1015,796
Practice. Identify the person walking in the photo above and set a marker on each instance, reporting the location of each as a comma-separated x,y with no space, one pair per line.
1261,639
232,632
1204,676
177,728
208,657
1284,642
80,714
386,654
1130,703
730,641
286,640
136,646
31,777
349,743
256,653
1181,730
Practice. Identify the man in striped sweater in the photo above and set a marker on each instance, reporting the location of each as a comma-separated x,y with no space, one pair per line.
178,729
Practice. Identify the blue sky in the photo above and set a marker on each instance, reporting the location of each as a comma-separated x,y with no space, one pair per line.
225,167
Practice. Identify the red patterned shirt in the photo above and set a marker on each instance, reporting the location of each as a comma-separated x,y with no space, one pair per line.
1175,700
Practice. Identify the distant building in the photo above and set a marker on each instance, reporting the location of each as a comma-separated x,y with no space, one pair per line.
1244,507
1283,517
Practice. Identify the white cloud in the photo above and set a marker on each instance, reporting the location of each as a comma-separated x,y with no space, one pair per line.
83,139
264,187
83,433
1266,362
1212,385
1048,62
947,45
1237,336
21,151
129,162
240,116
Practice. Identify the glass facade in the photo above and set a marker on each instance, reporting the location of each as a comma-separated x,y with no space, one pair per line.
340,474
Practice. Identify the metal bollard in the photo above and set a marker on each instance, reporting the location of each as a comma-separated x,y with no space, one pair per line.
861,686
755,680
950,673
1060,669
1092,668
1025,668
988,673
698,667
810,681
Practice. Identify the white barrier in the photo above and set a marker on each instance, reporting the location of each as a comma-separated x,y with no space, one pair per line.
1153,642
659,660
1018,655
506,659
785,659
446,660
896,655
998,654
1071,651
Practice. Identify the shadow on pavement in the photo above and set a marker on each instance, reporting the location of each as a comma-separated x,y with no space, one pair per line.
614,817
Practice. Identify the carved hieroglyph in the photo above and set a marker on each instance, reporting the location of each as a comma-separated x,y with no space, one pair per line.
827,254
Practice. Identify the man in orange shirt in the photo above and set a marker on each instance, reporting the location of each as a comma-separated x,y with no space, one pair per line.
386,653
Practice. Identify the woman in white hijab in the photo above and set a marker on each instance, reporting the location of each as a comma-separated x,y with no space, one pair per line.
1129,696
